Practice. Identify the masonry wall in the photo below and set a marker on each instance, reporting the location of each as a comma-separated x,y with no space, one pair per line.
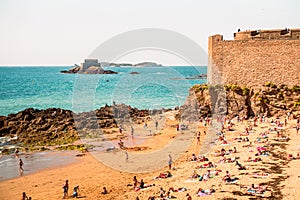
253,62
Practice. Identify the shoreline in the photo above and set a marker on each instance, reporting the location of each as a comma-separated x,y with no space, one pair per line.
46,160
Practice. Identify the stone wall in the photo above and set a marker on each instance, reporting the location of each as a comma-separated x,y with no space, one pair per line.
252,62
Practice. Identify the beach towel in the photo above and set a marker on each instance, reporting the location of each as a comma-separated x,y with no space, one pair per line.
224,145
201,194
261,175
191,181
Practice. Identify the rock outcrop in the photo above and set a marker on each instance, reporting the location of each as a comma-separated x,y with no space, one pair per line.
270,100
54,126
89,70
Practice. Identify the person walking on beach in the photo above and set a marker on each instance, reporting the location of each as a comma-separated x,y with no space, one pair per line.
145,126
21,170
198,137
156,124
170,162
297,128
126,156
132,132
66,188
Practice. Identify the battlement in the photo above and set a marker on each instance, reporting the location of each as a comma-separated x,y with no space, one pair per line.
275,34
254,58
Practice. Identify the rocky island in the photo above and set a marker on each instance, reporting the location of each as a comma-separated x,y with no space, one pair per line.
90,66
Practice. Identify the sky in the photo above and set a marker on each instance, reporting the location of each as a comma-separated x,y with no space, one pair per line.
64,32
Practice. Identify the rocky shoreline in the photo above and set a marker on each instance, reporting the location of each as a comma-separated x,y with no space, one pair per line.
55,126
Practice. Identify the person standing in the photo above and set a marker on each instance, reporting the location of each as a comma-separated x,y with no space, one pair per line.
170,162
198,137
21,169
156,124
145,126
66,188
132,132
126,156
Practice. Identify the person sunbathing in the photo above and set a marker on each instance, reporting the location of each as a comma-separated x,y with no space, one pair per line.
248,145
206,165
230,160
207,191
166,174
181,189
202,159
250,159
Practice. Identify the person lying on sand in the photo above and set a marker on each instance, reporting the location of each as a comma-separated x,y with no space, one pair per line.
227,160
248,145
207,191
181,189
166,174
206,165
250,159
255,189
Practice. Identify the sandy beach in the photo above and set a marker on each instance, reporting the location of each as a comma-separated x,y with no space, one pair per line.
270,167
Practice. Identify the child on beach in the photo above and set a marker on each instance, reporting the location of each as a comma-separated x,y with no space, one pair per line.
66,188
75,191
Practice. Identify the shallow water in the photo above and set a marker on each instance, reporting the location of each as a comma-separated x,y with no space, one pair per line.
33,162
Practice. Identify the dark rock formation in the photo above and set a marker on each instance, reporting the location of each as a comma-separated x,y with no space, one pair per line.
58,126
90,70
134,73
270,100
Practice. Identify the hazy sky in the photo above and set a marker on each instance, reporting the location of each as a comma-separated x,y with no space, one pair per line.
64,32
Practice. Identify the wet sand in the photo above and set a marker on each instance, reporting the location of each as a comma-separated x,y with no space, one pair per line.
33,162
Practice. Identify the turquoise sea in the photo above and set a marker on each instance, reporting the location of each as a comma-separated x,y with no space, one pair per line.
45,87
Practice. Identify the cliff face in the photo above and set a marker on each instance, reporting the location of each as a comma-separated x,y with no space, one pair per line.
270,100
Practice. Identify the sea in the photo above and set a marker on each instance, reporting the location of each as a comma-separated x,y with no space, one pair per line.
141,87
45,87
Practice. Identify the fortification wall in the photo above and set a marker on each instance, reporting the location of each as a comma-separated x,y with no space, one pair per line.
251,62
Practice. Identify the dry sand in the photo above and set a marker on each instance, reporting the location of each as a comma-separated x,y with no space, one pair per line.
91,175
